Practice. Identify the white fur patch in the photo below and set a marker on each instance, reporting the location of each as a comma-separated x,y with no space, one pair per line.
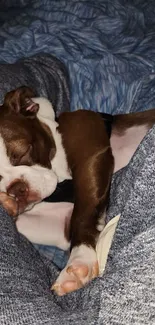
82,254
82,267
101,221
4,161
47,116
46,110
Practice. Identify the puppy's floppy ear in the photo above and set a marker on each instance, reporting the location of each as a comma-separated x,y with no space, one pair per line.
20,101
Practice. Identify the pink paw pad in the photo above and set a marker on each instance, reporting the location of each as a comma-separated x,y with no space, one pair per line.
74,277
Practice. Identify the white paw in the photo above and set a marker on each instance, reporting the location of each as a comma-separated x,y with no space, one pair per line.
80,269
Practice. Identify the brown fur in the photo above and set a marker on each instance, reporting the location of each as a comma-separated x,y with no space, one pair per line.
91,162
88,157
27,140
125,121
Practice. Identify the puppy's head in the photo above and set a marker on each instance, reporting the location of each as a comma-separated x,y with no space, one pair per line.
27,140
26,148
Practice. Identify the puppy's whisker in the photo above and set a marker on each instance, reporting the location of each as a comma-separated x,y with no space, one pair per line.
12,195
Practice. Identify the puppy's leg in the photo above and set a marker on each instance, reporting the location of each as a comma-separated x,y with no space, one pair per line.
92,182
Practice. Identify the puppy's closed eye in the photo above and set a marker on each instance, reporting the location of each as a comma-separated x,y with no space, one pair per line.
25,158
20,153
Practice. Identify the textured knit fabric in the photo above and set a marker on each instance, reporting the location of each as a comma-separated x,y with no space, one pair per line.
44,73
128,286
124,295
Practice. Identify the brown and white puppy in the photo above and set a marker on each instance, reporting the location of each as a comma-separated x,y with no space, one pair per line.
24,142
38,153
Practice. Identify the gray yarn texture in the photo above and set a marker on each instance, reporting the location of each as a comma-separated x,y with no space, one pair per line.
44,73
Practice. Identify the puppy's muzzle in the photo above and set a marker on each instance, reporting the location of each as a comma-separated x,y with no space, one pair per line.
19,191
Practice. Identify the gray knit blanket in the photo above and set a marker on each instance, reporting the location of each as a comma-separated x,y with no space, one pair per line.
44,73
124,295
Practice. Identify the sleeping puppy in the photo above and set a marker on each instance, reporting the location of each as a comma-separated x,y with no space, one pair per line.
38,153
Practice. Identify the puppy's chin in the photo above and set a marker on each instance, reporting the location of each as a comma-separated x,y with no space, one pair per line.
28,207
23,207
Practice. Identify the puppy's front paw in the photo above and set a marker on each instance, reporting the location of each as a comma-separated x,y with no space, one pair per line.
80,269
9,204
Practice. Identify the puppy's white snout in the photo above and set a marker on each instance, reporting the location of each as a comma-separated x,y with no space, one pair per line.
41,179
50,183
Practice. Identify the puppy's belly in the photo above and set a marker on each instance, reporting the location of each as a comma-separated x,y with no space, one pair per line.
124,146
46,224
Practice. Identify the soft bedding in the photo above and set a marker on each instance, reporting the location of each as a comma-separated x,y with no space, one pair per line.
107,45
44,73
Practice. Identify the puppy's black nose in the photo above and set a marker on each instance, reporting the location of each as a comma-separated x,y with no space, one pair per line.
18,189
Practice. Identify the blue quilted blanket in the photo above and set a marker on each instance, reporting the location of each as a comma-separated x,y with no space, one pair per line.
107,45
